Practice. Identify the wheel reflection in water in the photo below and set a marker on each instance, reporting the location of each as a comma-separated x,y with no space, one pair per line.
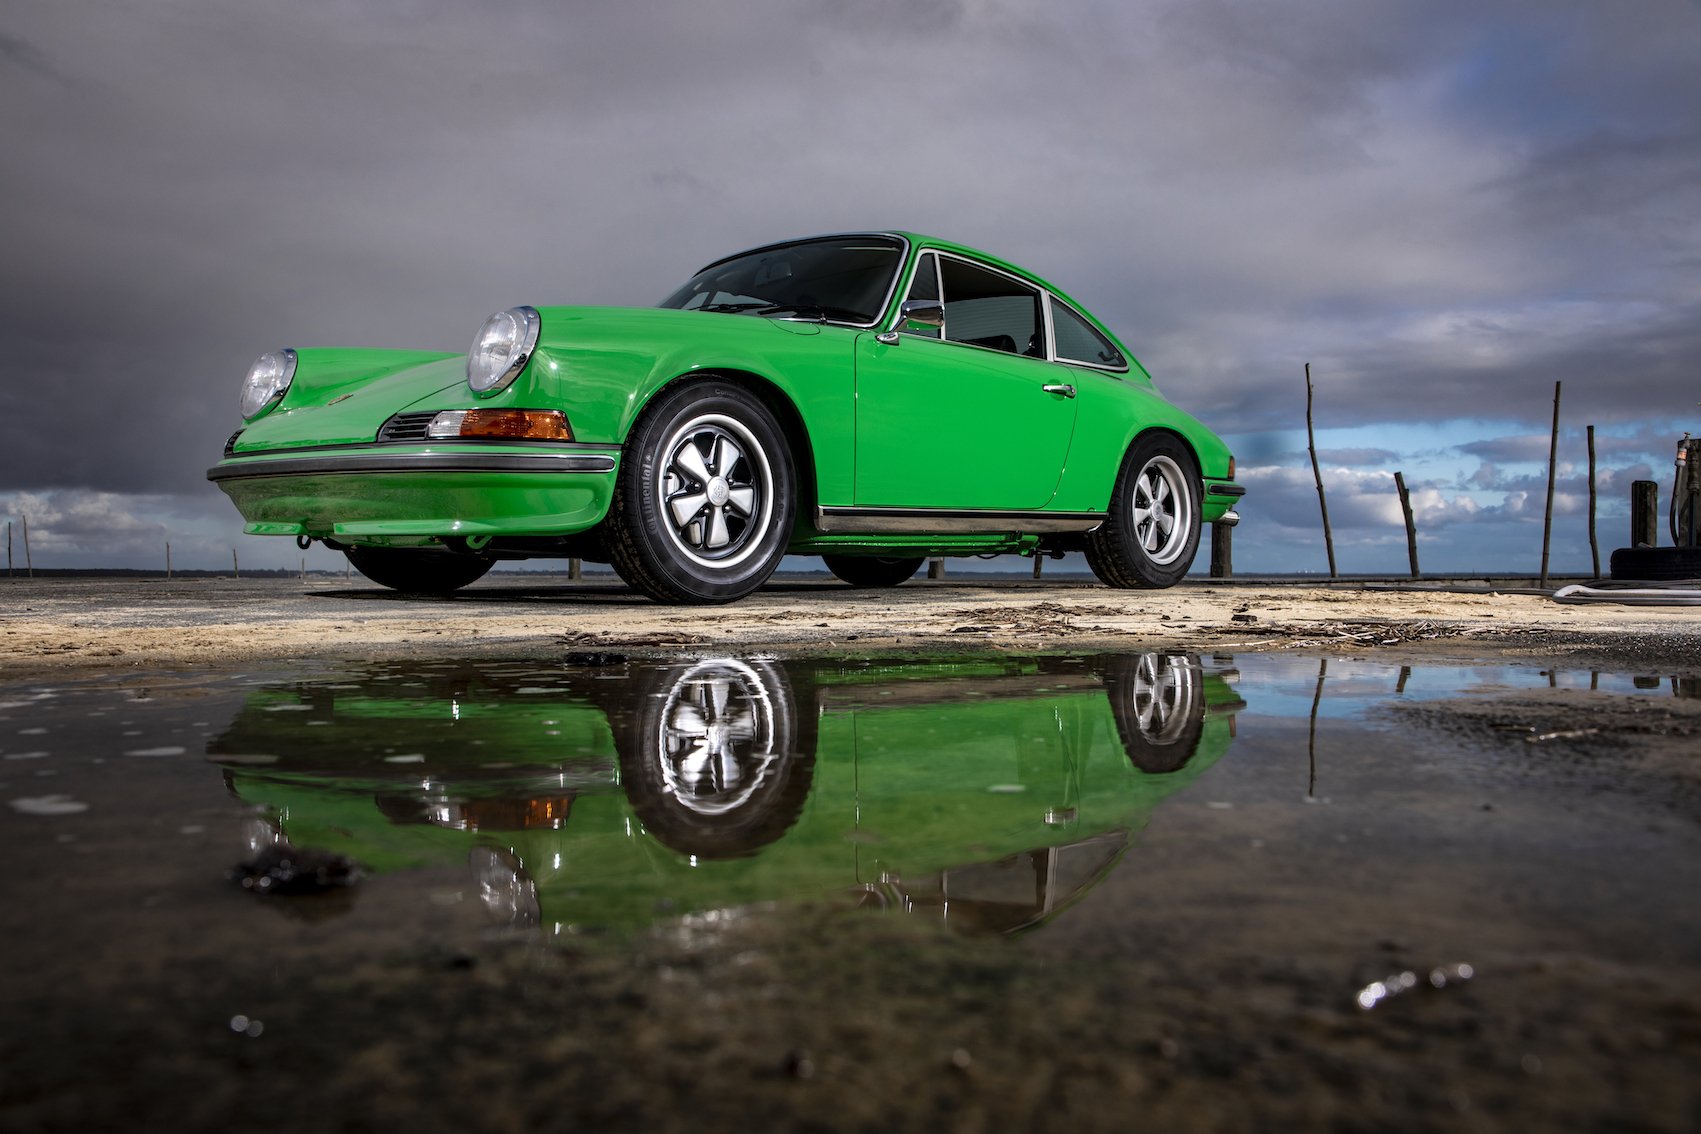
716,737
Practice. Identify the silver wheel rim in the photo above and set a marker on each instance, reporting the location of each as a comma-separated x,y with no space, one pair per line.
1163,697
1162,510
716,737
715,491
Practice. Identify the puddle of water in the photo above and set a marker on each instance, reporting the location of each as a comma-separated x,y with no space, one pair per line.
991,792
1213,810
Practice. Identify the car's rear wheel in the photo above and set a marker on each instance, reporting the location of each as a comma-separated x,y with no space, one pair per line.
1151,534
1158,703
872,570
703,508
418,571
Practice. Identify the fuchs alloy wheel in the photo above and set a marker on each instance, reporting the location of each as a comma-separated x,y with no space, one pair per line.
1151,533
418,571
703,508
1158,703
872,570
716,760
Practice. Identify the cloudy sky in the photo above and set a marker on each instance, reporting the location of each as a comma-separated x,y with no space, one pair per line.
1444,207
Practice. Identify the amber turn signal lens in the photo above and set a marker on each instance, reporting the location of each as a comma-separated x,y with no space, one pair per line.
528,425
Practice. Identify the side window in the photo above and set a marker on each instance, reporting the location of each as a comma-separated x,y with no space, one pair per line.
1079,341
987,309
924,285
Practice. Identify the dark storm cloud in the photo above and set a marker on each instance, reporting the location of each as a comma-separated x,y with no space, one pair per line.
1445,207
1357,458
18,53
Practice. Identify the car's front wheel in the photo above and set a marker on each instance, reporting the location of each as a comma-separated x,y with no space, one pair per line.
703,508
1151,533
872,570
418,571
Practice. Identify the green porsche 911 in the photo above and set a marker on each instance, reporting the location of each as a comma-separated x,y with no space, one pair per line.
871,398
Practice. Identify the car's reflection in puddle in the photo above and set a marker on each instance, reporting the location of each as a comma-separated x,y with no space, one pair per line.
989,792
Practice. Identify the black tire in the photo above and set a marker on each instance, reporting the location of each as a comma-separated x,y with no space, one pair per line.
416,570
716,761
872,570
715,445
1151,533
1656,563
1158,703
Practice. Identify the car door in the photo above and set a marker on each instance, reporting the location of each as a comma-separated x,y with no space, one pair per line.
968,416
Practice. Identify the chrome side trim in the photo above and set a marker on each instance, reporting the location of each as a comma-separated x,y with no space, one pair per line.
941,520
343,464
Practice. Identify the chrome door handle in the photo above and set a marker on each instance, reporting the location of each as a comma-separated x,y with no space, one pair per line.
1058,388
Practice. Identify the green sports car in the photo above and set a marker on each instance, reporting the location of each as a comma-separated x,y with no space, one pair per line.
994,790
872,398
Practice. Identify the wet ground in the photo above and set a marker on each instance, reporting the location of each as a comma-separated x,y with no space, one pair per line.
1107,890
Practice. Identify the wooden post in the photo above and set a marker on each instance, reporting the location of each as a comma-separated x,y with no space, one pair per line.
1222,551
1594,543
1411,528
1644,514
168,559
1322,501
304,568
8,549
1311,745
935,568
235,571
575,570
29,564
1552,460
1039,561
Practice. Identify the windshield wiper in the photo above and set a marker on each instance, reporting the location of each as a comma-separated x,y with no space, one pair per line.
729,308
823,313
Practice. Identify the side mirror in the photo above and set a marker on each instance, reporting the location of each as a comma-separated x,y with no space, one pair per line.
927,312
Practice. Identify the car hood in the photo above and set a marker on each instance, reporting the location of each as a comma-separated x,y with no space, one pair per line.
343,396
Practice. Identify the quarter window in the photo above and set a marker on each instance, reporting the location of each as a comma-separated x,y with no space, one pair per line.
989,309
924,285
1079,341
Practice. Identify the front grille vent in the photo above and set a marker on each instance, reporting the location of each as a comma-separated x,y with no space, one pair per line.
230,446
407,426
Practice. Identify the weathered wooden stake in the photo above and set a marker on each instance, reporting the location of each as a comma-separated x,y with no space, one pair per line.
575,569
1552,461
304,568
1222,551
168,559
1644,514
1411,528
935,568
1039,562
8,549
29,564
1311,745
1594,543
235,571
1322,501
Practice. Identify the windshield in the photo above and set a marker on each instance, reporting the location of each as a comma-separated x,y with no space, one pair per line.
844,279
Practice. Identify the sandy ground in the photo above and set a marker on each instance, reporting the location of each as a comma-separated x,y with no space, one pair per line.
55,624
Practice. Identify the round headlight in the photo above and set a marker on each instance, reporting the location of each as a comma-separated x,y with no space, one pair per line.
267,382
502,349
